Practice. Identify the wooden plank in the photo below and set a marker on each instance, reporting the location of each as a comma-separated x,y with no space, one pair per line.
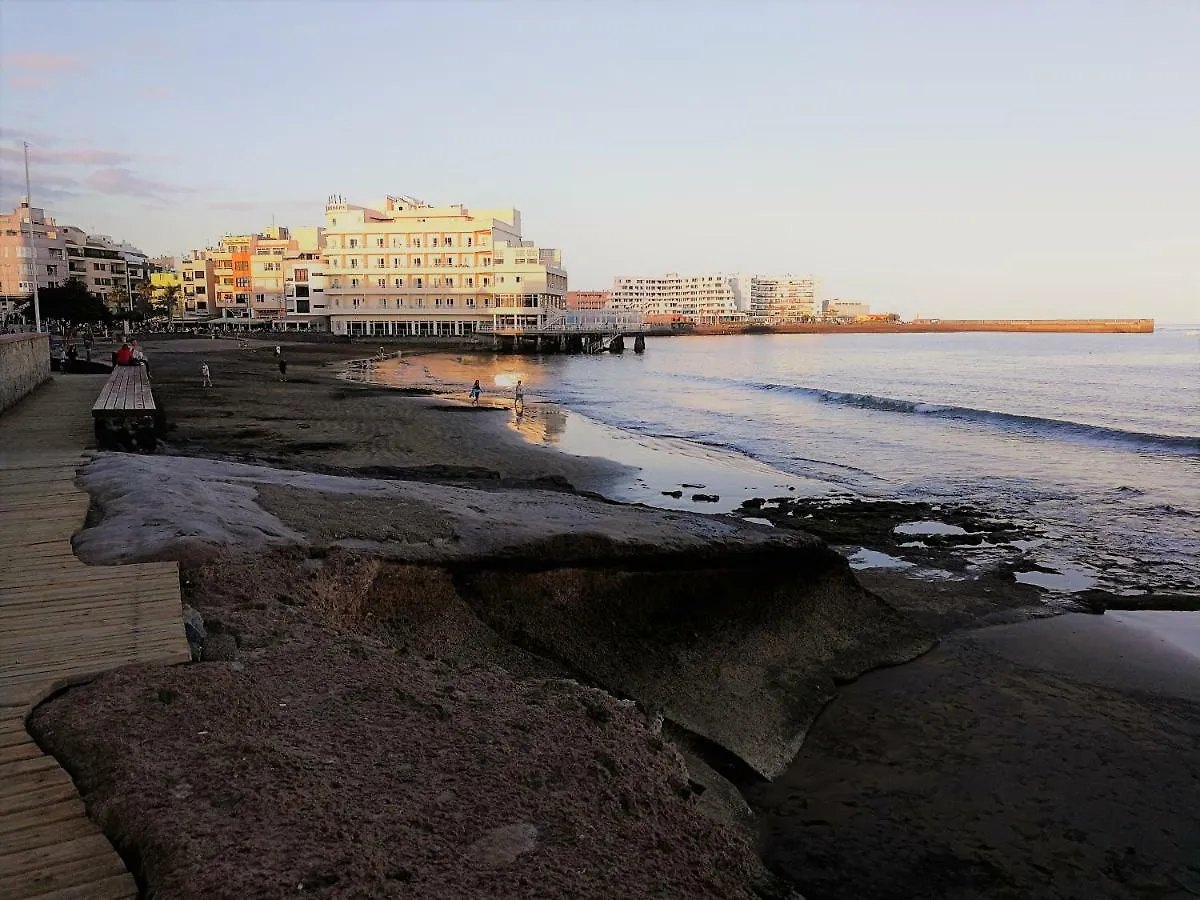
103,863
114,887
42,859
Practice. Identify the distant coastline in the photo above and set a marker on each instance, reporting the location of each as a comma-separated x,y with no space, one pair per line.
926,326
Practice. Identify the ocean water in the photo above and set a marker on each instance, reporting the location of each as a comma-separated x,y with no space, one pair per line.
1094,438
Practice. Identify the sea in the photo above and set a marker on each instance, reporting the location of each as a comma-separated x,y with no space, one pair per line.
1094,439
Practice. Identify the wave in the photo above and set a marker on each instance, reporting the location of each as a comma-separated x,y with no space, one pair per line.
1056,428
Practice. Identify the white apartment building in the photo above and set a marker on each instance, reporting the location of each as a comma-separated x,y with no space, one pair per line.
408,268
63,252
699,299
783,297
19,264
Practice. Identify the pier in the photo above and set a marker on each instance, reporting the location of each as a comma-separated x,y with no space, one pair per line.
569,331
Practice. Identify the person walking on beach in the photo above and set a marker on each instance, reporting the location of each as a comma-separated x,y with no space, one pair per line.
519,396
205,375
475,391
282,369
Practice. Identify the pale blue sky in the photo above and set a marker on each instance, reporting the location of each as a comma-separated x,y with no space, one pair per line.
947,158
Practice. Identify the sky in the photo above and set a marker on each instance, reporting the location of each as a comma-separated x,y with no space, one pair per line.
949,159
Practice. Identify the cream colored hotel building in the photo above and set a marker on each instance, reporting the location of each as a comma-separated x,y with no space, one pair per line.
408,268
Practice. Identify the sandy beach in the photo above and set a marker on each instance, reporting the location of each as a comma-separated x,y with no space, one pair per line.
434,663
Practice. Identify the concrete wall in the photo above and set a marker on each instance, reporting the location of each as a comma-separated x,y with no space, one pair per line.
24,364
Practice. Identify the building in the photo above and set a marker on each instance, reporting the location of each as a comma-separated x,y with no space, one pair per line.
846,309
587,299
408,268
199,286
271,278
63,252
160,283
20,265
696,299
783,298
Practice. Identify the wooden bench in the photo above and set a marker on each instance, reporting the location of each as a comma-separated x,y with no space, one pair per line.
125,414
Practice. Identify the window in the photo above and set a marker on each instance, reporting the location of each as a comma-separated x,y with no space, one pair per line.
378,242
502,279
353,242
437,260
395,262
187,276
449,260
302,290
380,263
416,242
470,282
399,282
301,274
241,298
518,279
259,298
228,280
471,302
100,267
380,282
51,270
242,282
433,243
420,282
487,261
469,242
353,282
449,282
437,301
382,301
449,301
354,262
416,260
449,242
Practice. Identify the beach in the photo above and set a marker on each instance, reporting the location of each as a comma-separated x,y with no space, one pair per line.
437,661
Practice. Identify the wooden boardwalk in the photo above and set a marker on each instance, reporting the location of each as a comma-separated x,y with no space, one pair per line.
61,622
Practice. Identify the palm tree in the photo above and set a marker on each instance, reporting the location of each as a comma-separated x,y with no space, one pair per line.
168,296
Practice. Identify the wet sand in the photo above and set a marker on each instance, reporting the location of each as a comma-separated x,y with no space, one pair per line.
1054,759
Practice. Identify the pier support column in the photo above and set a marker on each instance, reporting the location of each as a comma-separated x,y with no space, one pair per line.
617,345
639,344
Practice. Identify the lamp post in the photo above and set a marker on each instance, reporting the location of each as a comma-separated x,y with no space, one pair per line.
37,309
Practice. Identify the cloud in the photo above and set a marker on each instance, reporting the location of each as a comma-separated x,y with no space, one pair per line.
84,156
54,186
260,205
42,62
8,133
28,83
120,181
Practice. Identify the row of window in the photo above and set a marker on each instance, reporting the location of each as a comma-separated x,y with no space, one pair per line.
400,241
399,262
435,281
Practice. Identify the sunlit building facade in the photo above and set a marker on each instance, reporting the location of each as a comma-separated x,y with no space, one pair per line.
408,268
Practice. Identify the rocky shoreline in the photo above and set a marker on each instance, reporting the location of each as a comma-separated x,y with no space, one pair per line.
435,663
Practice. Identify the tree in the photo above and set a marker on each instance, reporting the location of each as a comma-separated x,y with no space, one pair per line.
166,300
71,303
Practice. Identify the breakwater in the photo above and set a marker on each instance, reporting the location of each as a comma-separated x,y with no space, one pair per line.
926,326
